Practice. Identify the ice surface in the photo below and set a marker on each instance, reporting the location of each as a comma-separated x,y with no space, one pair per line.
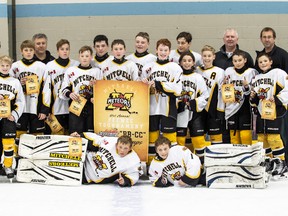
140,200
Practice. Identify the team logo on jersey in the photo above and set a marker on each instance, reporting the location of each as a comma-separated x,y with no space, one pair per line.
262,93
186,96
176,175
85,91
238,96
118,100
99,162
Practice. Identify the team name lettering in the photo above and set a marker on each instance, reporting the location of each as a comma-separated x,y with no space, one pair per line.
118,74
208,82
109,158
159,74
82,78
7,87
24,74
237,82
267,81
58,78
63,164
64,156
187,83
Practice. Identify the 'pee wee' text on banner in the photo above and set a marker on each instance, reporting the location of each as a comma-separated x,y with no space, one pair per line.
122,108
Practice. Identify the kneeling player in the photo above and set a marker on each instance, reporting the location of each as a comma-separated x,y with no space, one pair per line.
176,165
110,159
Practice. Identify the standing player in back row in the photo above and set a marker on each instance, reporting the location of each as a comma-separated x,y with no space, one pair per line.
119,68
164,78
78,84
101,47
141,55
53,78
184,40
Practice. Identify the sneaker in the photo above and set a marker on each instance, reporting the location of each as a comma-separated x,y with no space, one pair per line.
9,172
280,168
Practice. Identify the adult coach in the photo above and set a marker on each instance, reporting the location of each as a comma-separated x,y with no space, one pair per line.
280,60
223,60
41,52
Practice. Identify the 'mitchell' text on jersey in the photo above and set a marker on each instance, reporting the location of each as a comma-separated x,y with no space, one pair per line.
159,74
25,74
117,74
267,81
82,78
7,87
188,83
109,157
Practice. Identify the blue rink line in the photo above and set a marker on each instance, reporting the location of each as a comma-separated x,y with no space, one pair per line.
150,8
3,10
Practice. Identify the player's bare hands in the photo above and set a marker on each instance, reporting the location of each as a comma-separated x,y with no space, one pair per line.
245,83
74,96
252,94
92,82
92,100
181,183
41,116
272,99
11,118
120,180
75,134
23,80
1,97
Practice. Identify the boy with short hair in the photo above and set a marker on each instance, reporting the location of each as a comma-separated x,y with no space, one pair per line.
238,113
119,68
101,46
175,165
31,120
164,79
141,55
213,113
184,40
122,165
78,82
53,78
10,90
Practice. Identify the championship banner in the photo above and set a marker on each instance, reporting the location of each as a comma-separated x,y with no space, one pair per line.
122,108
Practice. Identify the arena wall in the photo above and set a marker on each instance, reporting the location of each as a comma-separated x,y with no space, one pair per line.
206,20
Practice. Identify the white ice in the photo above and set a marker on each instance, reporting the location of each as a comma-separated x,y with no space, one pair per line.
23,199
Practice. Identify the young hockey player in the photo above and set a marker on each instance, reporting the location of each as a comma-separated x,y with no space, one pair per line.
26,68
119,68
184,40
238,113
270,84
78,83
141,55
175,165
10,92
101,46
214,110
192,101
53,78
111,159
164,78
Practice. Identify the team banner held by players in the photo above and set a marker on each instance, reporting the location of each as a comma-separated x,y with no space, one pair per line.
122,108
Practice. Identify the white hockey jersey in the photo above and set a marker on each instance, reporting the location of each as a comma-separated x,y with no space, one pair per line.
53,78
168,85
20,70
181,163
79,80
141,61
213,77
98,64
274,83
194,91
126,71
107,164
10,88
237,79
175,55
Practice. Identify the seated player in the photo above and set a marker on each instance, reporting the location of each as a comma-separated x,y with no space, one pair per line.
174,165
